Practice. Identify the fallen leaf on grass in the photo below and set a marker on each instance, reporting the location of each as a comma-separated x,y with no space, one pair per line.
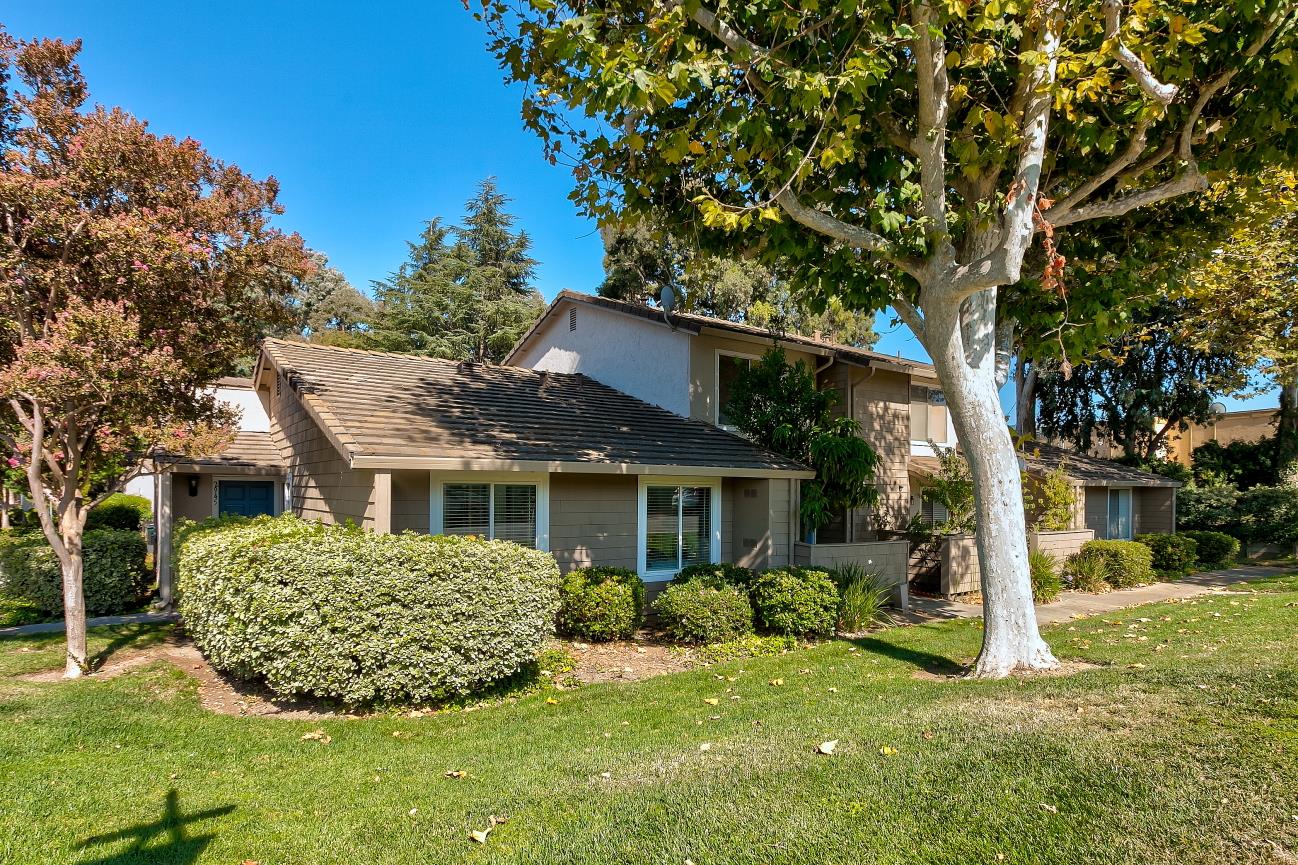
1135,666
777,681
1051,809
457,774
317,736
551,701
480,835
711,701
888,751
827,748
928,735
706,746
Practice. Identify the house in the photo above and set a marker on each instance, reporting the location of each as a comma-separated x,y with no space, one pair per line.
558,461
1248,425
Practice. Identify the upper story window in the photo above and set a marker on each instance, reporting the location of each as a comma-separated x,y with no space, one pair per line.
928,421
729,366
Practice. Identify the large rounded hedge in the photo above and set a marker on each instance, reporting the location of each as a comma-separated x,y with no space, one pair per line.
114,576
600,603
1215,549
120,511
336,612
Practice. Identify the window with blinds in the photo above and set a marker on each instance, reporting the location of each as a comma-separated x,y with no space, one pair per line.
504,512
678,527
927,415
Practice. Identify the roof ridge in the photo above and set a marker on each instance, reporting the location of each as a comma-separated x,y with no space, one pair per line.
377,352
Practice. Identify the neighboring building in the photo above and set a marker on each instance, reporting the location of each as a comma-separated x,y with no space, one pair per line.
557,461
1232,426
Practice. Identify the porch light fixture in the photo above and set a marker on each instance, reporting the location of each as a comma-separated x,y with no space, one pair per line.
193,485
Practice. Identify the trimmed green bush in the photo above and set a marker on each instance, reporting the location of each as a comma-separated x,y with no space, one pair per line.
1174,555
702,611
1087,573
721,573
795,601
120,511
114,579
1268,515
344,614
1216,549
1126,563
600,604
1046,581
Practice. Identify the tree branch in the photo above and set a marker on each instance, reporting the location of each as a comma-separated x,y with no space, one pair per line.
911,315
1134,148
1156,90
1185,182
930,140
852,235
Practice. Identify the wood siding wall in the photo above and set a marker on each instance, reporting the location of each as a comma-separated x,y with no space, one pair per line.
593,520
324,486
410,491
1153,510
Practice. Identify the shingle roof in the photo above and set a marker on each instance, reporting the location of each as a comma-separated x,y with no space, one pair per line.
694,323
1087,470
248,450
399,410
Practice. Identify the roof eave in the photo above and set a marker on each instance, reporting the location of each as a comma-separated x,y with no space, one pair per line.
380,461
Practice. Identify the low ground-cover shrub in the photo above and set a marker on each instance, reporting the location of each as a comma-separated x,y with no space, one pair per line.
120,511
600,603
863,598
702,610
747,646
114,576
336,612
1086,573
795,601
722,572
1046,580
1173,555
1216,549
1126,563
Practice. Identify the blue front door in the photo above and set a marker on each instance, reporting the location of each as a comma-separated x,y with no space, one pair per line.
246,498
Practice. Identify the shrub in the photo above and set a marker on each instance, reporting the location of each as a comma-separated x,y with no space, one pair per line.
1208,508
1126,563
1173,555
120,511
600,604
1087,573
1216,549
339,613
722,573
795,601
1046,581
747,646
1268,515
114,578
862,597
702,611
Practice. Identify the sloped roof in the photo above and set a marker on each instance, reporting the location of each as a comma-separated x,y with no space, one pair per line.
691,323
1087,470
249,450
385,410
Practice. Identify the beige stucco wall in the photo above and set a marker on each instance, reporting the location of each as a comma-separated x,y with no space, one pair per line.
1245,426
703,368
324,486
187,507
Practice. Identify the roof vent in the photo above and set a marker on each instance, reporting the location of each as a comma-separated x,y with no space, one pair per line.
572,318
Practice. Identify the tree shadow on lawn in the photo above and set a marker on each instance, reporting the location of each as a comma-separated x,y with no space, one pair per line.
138,636
936,665
178,848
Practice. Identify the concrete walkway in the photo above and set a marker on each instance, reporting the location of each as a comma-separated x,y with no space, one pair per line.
1073,605
98,621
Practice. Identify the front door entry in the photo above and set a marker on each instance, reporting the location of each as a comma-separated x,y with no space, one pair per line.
246,498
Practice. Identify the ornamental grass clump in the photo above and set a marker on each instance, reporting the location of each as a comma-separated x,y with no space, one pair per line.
343,614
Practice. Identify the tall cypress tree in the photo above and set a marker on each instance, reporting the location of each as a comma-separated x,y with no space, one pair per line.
465,292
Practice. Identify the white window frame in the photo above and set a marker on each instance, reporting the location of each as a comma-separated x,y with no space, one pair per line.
642,520
541,480
947,434
716,383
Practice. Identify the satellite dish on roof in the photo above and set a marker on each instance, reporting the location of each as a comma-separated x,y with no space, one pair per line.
667,299
1218,408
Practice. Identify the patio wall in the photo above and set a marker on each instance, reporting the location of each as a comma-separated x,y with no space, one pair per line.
1060,545
959,555
889,559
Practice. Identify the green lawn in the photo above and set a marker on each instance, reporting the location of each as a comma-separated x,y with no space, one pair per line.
1192,757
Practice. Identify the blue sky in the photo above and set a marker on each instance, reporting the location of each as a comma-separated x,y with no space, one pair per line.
374,118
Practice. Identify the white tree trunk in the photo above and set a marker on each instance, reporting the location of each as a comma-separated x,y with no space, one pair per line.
963,352
74,598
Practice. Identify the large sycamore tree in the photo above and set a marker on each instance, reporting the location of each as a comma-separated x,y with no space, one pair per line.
908,154
135,269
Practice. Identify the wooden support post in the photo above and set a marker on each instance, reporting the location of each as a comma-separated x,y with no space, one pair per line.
162,488
383,502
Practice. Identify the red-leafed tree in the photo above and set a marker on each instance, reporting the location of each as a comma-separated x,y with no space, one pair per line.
135,269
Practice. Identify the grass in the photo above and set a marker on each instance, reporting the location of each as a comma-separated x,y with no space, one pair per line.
1181,745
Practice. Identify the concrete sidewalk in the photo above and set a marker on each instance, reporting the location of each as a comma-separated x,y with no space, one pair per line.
98,621
1076,604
